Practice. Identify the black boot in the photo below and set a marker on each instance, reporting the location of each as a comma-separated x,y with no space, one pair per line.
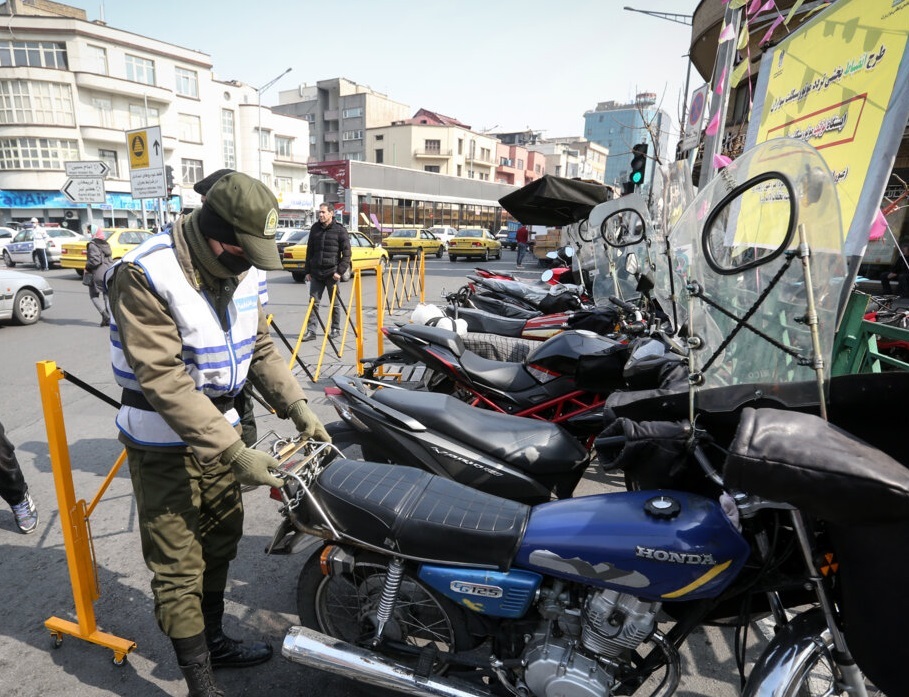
195,665
105,320
227,652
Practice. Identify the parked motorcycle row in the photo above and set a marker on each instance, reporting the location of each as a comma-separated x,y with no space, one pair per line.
456,560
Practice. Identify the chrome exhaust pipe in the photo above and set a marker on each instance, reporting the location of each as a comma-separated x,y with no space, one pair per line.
310,648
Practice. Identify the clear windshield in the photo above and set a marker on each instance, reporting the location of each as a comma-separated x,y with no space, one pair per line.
737,262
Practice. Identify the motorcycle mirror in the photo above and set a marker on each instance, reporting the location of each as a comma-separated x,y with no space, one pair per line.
568,252
547,276
552,255
623,228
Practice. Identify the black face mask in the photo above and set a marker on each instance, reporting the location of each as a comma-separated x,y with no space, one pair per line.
234,263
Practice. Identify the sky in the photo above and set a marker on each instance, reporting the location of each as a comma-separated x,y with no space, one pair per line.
495,65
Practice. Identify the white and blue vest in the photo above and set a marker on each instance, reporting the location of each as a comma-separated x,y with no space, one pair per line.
217,360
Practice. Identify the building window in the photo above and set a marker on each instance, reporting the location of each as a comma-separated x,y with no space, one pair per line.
104,111
264,138
520,163
140,70
187,82
433,146
352,135
32,102
355,156
36,153
352,113
34,54
110,157
284,184
486,154
284,147
309,117
96,59
431,168
141,115
380,136
191,170
190,129
228,139
460,146
459,170
380,156
312,140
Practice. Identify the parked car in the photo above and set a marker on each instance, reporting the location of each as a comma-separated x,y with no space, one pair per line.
296,236
444,233
24,296
409,241
363,252
6,235
22,249
476,243
120,239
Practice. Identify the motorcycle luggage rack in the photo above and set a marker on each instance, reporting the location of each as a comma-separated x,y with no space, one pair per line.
316,456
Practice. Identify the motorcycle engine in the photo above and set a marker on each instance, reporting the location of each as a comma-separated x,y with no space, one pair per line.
568,665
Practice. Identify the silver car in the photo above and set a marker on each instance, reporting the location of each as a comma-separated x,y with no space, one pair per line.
23,296
22,249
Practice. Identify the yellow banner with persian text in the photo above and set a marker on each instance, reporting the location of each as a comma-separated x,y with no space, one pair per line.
830,84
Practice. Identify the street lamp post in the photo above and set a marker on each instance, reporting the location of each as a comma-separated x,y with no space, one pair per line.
259,109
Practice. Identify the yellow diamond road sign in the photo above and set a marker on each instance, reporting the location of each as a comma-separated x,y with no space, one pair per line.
146,162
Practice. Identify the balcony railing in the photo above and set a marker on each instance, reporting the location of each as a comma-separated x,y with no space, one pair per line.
432,153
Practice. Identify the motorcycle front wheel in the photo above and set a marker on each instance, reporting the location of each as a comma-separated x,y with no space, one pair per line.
344,606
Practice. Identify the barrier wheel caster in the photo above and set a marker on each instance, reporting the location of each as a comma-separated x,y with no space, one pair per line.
119,659
57,640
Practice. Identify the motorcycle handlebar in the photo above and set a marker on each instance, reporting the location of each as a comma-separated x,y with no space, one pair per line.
621,304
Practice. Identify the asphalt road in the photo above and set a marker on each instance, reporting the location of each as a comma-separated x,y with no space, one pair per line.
33,569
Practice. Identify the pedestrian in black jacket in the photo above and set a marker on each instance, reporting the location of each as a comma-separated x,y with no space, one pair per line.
327,260
98,261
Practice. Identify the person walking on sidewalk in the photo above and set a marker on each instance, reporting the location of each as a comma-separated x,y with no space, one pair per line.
327,260
98,261
39,239
187,332
522,238
13,488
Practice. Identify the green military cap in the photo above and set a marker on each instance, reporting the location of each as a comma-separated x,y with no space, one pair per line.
252,210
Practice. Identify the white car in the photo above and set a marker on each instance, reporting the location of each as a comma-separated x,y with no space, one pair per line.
21,250
6,235
23,296
444,233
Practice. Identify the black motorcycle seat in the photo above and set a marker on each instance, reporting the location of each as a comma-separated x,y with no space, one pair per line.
507,377
490,323
436,335
529,445
800,459
419,515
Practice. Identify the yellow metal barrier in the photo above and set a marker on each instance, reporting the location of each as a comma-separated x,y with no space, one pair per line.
74,520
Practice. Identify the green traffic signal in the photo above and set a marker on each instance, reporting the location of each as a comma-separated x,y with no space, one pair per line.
638,164
637,177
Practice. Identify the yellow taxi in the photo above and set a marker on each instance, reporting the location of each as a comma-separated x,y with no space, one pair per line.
120,239
474,243
363,252
409,241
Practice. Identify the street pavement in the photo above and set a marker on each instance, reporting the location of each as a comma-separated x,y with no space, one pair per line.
261,594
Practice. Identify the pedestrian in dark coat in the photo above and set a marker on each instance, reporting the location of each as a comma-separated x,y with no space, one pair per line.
327,260
97,263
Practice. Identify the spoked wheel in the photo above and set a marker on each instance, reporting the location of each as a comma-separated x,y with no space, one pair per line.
344,606
819,676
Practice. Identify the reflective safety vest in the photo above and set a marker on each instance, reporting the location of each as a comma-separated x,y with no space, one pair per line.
217,360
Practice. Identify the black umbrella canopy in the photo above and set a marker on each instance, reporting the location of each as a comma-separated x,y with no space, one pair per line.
554,201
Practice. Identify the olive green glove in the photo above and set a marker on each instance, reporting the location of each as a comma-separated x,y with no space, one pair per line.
251,467
307,423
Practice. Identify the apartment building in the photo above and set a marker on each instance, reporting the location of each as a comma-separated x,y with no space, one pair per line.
517,165
591,157
70,89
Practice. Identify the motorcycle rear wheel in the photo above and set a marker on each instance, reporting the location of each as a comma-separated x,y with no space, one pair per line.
344,606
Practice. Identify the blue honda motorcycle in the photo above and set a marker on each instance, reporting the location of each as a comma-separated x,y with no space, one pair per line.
749,504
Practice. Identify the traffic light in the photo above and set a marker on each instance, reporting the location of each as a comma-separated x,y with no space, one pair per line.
638,164
169,179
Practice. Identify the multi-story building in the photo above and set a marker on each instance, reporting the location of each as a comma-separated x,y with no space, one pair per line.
431,142
338,112
516,165
592,157
619,127
70,90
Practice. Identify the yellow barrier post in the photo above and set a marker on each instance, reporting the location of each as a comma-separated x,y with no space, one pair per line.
74,521
293,354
